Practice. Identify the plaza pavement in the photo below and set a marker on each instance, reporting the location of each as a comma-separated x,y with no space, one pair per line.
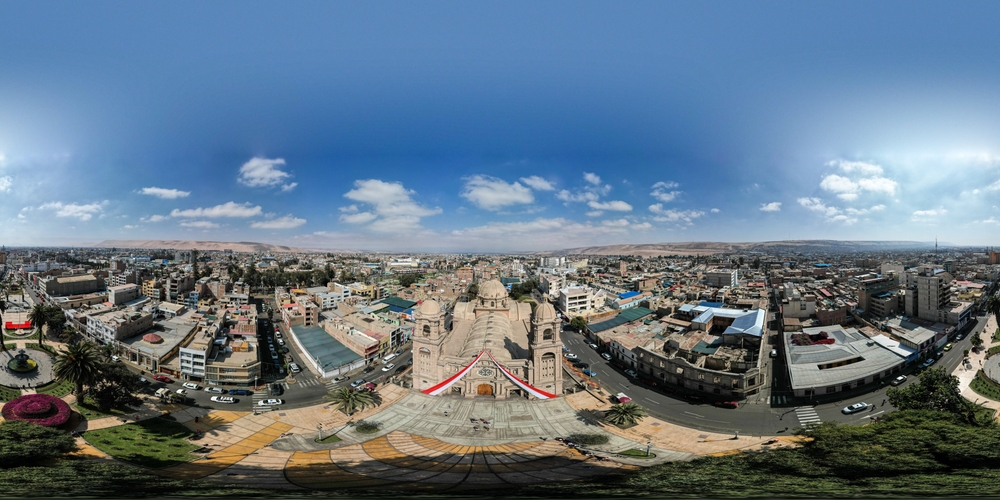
977,360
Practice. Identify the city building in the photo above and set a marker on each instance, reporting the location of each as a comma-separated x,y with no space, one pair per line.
118,295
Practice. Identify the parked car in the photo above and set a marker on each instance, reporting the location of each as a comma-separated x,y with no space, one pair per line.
565,349
581,365
281,342
947,347
593,346
224,399
388,367
622,398
270,402
774,353
727,404
898,380
191,385
959,337
294,368
606,356
143,381
215,390
182,392
357,382
116,359
649,382
631,373
854,408
928,363
339,379
163,378
590,373
277,334
570,356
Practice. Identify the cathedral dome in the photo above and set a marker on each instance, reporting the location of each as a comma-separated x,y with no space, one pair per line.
429,307
545,312
493,290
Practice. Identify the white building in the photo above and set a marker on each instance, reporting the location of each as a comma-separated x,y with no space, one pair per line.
121,294
575,299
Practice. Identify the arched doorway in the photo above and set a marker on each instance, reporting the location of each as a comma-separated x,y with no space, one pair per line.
485,390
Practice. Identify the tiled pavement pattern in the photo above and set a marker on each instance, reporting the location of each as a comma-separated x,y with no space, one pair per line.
403,461
258,437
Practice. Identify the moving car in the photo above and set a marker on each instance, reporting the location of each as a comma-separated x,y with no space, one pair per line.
606,356
774,353
191,385
854,408
240,392
727,404
294,368
182,392
224,399
357,382
270,402
947,347
959,337
388,367
277,389
389,358
622,398
593,346
898,380
631,373
928,363
339,379
215,390
163,378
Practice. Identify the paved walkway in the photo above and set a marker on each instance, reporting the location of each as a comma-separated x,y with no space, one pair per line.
966,374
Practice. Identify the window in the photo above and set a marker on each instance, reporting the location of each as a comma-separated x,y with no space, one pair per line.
427,330
547,334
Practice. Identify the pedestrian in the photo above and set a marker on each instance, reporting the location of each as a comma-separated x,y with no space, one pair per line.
883,402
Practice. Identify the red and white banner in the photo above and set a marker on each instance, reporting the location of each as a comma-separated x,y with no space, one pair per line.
444,386
538,393
447,384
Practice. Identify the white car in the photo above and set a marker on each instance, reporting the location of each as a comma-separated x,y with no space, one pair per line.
277,334
223,399
270,402
191,385
854,408
388,367
182,392
570,356
215,390
294,368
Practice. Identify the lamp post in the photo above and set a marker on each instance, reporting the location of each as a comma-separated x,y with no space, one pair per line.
319,427
649,444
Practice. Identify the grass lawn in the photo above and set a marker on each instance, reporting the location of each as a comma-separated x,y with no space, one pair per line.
636,453
984,387
41,347
32,336
90,411
8,393
332,438
56,388
153,443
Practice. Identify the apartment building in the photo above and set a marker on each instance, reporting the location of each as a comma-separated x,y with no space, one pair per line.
153,289
113,325
575,299
121,294
722,277
71,285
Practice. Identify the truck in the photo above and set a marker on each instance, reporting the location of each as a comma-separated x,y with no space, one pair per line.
622,398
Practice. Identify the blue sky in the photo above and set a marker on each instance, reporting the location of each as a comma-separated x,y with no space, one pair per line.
478,126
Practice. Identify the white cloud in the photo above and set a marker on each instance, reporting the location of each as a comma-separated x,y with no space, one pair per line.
81,212
863,168
200,224
615,205
286,222
595,213
5,183
537,183
642,226
878,185
615,223
715,210
164,193
129,226
228,209
927,216
349,209
288,187
844,219
262,172
671,215
864,211
392,208
592,178
663,191
154,218
995,186
565,195
844,187
774,206
358,218
490,193
991,220
817,205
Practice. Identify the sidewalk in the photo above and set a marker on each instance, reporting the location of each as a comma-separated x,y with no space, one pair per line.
966,375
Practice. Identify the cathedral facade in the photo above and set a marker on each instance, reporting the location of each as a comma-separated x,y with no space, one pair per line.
492,347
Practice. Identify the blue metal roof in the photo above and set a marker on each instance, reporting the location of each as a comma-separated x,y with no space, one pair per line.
628,295
711,304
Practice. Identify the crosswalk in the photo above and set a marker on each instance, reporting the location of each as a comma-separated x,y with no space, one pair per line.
779,400
807,416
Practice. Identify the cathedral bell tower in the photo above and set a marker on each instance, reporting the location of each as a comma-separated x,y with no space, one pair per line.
545,350
428,339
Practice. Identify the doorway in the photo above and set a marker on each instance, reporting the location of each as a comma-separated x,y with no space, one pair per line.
485,390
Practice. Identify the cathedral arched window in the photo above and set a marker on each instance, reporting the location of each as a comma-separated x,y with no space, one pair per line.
547,334
427,330
493,303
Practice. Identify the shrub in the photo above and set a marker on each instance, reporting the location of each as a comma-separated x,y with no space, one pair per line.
588,439
41,409
366,427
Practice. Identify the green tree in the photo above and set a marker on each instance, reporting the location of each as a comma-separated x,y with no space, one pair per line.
993,305
55,319
406,280
625,414
24,443
578,323
977,341
80,364
39,316
3,329
115,388
349,401
936,390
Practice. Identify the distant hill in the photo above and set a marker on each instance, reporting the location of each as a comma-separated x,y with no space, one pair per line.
709,248
242,246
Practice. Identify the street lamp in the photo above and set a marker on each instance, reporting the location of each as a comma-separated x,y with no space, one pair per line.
649,444
319,427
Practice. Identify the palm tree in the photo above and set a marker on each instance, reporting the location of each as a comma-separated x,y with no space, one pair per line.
38,316
80,364
349,401
993,305
3,329
625,414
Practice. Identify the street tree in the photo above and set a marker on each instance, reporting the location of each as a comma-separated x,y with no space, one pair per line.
578,323
936,390
39,316
80,364
115,387
350,401
625,414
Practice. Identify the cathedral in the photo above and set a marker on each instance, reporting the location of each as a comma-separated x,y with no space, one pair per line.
495,347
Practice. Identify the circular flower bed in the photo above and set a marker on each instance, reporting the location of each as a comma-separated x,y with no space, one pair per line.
41,409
